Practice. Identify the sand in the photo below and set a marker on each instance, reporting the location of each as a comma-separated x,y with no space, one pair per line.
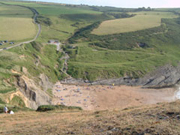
100,97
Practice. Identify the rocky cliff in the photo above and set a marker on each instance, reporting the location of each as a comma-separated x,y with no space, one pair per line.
165,76
35,94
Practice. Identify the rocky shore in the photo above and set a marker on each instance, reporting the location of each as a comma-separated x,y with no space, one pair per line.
166,76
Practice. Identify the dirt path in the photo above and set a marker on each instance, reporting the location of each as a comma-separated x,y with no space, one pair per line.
109,97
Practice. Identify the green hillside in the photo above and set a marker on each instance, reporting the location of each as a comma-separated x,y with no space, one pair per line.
135,52
30,60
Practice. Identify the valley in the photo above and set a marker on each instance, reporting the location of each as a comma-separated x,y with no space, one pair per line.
80,69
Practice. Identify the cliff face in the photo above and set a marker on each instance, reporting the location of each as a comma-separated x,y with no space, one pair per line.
165,76
35,94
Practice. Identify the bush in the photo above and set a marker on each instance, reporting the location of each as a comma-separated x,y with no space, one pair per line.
44,108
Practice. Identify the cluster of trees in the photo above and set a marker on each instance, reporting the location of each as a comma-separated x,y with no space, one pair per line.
83,33
44,20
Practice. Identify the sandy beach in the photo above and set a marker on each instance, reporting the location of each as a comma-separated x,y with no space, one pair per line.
101,97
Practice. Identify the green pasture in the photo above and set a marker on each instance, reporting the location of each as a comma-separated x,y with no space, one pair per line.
7,10
142,20
16,23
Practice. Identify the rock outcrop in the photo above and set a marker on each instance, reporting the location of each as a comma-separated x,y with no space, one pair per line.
35,95
165,76
44,82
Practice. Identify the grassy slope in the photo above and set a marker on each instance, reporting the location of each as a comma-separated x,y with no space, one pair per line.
96,63
155,119
36,59
162,47
142,20
16,23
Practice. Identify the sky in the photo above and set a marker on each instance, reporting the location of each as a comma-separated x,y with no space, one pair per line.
122,3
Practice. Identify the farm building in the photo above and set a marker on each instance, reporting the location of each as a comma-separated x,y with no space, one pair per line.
53,42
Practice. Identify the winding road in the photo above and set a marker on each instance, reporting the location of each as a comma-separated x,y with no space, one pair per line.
37,35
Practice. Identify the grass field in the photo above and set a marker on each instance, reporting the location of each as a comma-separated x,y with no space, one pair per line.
16,23
142,20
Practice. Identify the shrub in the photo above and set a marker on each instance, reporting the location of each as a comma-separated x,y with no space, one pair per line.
44,108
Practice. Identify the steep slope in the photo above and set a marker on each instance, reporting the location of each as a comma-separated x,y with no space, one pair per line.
30,69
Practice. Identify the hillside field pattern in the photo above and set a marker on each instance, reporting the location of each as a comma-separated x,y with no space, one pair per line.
141,20
16,23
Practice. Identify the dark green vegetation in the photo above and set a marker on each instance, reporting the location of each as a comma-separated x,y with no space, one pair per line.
45,108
